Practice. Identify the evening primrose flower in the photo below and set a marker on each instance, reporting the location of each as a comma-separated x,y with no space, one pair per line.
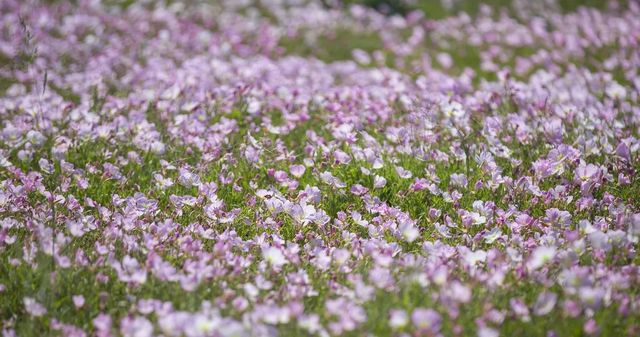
358,189
33,308
545,303
253,107
520,309
78,301
136,327
102,324
409,232
274,256
459,180
616,91
591,297
452,109
161,182
301,213
486,331
403,173
426,320
349,315
46,166
541,256
310,323
474,257
297,170
341,256
398,318
130,270
493,235
118,171
205,325
585,173
600,240
329,179
477,218
379,182
557,218
187,178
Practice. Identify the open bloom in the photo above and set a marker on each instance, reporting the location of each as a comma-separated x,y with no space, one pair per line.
426,320
540,257
33,308
274,256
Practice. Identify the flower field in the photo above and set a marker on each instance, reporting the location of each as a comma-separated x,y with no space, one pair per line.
319,168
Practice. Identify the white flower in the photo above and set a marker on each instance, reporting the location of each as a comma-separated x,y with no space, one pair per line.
253,107
474,257
274,256
137,327
205,325
493,235
398,319
541,256
478,219
616,91
487,332
453,109
409,232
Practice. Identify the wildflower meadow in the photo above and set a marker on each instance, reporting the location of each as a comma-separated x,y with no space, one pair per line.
363,168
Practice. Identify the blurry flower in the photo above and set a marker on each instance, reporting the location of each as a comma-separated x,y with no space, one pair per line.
136,327
540,257
409,232
274,256
403,173
591,327
33,308
398,318
361,56
520,309
545,303
426,320
486,331
297,170
616,91
493,235
600,240
78,301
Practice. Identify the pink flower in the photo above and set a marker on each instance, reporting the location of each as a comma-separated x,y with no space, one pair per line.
297,170
545,303
358,189
426,320
33,308
78,301
379,182
136,327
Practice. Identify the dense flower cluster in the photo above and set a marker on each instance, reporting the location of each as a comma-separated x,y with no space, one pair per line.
211,169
